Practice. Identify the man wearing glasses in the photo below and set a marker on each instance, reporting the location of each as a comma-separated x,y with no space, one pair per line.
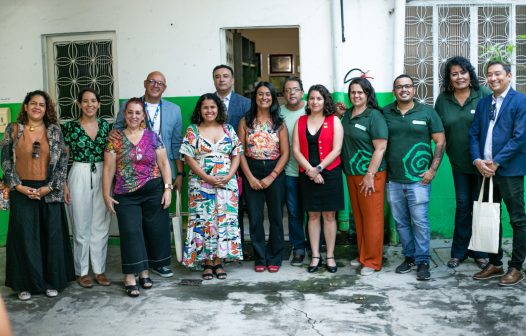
411,166
164,118
497,140
294,108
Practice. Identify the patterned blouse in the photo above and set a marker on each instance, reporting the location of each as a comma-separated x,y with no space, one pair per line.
58,160
81,147
136,164
262,141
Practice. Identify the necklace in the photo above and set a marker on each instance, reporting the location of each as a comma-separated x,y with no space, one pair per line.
33,127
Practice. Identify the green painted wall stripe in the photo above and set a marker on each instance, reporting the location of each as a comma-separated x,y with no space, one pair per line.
441,211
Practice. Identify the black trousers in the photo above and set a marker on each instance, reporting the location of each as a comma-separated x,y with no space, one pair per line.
510,189
274,196
144,228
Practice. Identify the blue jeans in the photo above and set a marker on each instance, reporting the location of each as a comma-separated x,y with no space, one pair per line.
409,206
295,211
467,189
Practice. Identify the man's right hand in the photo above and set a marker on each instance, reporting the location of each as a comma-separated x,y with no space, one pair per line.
483,166
113,135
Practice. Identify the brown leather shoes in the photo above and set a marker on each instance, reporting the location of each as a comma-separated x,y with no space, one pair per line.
102,280
85,281
512,277
491,271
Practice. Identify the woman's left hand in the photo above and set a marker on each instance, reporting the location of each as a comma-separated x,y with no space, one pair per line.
43,191
167,198
267,181
367,185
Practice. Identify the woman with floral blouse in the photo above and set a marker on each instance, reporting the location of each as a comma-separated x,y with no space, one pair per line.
90,221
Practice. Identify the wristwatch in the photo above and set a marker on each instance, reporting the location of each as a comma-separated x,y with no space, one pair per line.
319,168
168,186
183,174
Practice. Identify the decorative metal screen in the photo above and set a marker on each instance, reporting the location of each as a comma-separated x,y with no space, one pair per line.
81,64
461,30
419,50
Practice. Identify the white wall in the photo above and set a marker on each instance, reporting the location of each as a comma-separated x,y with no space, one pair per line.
182,38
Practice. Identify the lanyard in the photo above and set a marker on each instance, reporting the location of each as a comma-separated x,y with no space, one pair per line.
151,121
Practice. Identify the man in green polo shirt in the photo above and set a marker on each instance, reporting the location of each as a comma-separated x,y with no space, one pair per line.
411,166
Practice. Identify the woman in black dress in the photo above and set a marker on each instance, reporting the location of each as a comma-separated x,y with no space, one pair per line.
317,142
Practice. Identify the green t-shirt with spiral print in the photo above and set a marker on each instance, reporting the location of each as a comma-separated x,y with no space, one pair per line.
358,135
409,153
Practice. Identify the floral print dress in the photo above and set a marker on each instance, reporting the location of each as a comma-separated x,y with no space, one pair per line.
213,228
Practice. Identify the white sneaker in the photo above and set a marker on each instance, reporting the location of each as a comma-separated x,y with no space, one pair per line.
51,292
367,271
24,296
355,263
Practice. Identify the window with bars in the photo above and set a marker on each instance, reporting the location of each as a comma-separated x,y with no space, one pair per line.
75,62
438,30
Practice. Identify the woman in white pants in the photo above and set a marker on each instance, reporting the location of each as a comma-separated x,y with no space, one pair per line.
90,221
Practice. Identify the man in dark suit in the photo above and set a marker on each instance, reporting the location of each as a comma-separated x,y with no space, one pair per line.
236,104
498,149
236,107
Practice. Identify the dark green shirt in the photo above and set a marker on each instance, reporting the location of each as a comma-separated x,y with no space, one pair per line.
81,147
358,135
409,152
457,120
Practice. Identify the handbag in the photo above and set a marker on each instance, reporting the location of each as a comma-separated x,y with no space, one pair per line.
177,225
4,196
486,223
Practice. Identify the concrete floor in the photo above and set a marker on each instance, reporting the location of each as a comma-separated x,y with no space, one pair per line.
291,302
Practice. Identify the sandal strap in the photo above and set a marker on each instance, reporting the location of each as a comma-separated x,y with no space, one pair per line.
315,257
329,257
208,267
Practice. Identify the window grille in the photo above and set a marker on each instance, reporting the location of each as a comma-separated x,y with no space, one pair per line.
438,30
77,62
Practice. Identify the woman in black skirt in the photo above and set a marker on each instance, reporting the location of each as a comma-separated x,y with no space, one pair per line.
317,142
38,252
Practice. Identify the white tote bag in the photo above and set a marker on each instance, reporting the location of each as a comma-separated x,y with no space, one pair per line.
486,223
177,224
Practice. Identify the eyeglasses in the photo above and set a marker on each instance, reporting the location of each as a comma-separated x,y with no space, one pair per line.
406,86
492,111
36,150
153,82
292,90
138,154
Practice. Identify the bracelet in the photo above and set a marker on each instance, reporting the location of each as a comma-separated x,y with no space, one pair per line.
370,173
273,177
183,174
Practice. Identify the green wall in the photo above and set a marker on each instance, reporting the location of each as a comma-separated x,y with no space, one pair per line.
441,211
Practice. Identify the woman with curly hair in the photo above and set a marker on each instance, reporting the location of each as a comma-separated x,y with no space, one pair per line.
34,161
265,139
212,150
316,143
456,106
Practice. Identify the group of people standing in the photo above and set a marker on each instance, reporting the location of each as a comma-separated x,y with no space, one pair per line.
243,154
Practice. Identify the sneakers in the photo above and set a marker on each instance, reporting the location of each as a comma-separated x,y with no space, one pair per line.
365,271
24,296
406,266
164,271
422,272
355,263
51,292
297,259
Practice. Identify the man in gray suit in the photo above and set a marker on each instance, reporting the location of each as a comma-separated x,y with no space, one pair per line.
164,118
236,107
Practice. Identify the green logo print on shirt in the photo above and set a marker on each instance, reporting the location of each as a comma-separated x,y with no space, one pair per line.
360,162
416,161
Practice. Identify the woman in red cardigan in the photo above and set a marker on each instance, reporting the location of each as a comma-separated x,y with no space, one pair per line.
317,142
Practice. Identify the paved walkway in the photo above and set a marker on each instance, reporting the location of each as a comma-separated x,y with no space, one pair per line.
291,302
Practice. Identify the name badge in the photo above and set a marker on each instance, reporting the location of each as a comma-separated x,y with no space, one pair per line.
472,111
358,126
419,122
